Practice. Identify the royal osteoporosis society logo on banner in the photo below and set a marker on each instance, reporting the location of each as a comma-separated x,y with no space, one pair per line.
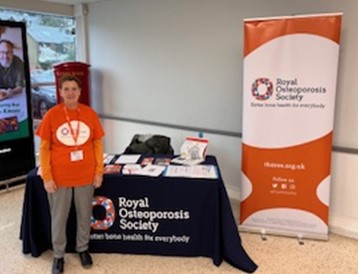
285,93
125,219
288,106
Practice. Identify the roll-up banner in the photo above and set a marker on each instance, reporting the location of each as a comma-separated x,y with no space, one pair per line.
289,88
17,155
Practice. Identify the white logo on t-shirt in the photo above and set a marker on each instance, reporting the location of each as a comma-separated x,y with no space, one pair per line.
63,133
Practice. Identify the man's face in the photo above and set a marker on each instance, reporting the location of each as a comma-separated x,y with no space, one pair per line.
6,55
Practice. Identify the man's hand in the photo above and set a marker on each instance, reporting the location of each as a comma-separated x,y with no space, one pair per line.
3,94
50,186
97,181
13,91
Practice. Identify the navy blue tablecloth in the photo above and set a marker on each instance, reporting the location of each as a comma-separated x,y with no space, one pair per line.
153,215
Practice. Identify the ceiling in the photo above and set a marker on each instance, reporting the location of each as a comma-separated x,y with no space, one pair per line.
72,2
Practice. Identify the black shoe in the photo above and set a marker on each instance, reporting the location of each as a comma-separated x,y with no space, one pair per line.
57,266
86,259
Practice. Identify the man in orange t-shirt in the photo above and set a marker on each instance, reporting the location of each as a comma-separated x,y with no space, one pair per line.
71,162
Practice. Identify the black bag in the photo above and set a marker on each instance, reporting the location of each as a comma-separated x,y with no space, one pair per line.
149,144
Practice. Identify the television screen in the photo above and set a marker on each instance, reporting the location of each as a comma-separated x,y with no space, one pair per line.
16,133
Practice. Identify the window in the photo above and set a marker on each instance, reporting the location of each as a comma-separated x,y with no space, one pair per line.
50,40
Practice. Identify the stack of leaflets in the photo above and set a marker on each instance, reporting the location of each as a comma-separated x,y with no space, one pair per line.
128,159
147,161
148,170
197,171
192,152
109,169
162,161
152,170
108,158
130,169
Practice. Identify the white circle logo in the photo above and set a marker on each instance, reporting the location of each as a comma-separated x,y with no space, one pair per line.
63,133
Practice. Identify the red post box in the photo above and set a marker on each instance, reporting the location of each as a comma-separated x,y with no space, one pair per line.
78,69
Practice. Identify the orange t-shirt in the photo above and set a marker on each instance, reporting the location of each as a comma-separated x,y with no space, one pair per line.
55,128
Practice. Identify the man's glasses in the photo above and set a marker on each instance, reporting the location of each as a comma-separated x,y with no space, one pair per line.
9,52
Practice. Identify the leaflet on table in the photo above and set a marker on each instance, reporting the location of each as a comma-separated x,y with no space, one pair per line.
197,171
148,170
109,169
152,170
192,152
128,159
162,161
108,158
187,161
131,169
147,161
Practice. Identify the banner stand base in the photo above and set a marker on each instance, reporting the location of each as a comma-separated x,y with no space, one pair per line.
299,235
263,235
300,239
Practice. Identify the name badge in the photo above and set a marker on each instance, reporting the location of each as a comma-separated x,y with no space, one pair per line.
77,155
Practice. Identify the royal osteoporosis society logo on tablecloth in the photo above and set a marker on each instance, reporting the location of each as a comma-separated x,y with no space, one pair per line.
133,220
288,106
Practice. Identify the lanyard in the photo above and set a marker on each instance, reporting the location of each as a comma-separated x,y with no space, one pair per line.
74,134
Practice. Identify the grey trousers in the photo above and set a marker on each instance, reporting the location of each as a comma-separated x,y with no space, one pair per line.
60,205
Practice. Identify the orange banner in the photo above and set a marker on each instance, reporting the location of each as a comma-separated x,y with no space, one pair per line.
290,72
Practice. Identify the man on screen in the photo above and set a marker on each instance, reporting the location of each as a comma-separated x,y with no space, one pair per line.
12,76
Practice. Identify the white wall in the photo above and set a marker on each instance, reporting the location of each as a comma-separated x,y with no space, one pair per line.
176,53
135,55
